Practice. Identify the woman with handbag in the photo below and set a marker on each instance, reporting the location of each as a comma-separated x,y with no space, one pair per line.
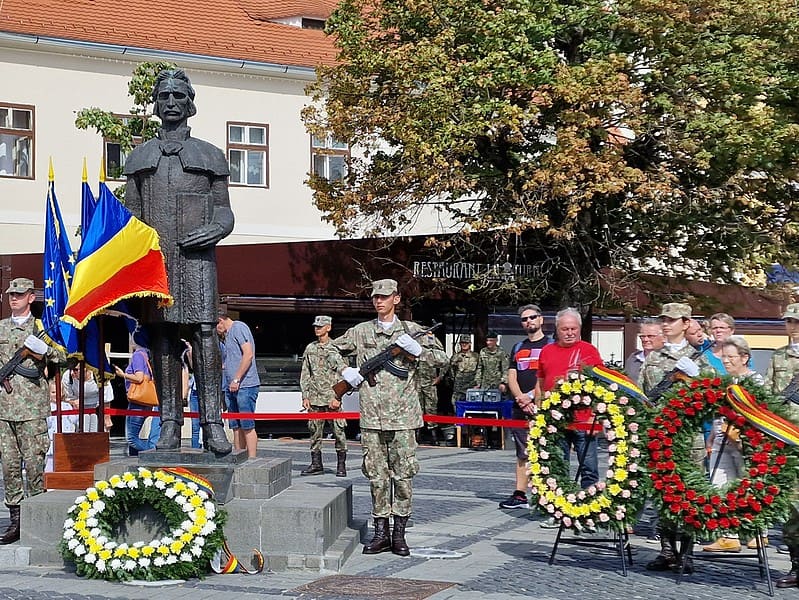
139,386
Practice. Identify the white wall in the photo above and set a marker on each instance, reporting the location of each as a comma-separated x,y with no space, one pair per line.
59,85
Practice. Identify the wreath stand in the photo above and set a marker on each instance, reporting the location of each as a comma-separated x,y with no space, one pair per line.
761,555
620,541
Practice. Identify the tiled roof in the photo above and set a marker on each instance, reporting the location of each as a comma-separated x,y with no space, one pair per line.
235,29
281,9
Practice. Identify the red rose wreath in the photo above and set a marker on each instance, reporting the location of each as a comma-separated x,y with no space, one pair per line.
685,496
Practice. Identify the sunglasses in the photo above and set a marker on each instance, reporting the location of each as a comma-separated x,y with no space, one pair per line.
531,318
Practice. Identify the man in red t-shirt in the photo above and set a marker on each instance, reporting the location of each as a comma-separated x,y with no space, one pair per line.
570,353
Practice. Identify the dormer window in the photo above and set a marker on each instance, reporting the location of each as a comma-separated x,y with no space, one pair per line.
309,23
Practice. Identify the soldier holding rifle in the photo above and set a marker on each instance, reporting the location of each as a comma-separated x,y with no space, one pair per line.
782,378
24,401
390,409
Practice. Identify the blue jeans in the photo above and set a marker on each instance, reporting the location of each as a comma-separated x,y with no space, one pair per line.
582,442
194,406
242,401
133,426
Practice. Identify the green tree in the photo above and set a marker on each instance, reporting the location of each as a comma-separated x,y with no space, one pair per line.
635,135
140,125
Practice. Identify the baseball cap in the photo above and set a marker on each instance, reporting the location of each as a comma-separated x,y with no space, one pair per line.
384,287
321,320
791,312
676,310
20,285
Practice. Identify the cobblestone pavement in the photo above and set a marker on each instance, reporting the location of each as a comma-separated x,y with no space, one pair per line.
505,552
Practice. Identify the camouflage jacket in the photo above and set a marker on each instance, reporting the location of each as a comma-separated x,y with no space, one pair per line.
492,368
463,368
660,362
781,370
393,403
30,398
317,376
426,373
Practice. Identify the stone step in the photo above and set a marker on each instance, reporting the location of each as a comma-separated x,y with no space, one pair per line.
14,555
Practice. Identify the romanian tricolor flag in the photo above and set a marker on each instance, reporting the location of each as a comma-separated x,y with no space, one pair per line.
120,257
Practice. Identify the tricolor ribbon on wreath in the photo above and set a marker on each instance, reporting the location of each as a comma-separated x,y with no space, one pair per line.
224,561
766,421
626,385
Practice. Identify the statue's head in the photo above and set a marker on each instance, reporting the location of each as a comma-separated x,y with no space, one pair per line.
173,96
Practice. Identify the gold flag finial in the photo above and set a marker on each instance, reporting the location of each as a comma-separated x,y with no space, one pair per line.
50,172
85,172
102,170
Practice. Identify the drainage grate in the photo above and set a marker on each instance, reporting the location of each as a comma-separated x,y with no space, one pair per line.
388,588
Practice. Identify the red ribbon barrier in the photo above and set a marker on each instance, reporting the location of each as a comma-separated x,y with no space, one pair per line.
349,416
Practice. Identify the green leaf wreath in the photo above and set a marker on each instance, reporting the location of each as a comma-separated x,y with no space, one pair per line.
194,521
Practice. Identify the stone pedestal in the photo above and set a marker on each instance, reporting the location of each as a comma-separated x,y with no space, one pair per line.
300,526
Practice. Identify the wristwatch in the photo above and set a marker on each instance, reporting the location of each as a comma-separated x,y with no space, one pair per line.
237,381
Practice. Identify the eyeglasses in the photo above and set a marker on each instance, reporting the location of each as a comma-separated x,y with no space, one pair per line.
645,336
530,318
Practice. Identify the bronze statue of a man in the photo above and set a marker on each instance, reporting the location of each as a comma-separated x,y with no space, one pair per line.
178,185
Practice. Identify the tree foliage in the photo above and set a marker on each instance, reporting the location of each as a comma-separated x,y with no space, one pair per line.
140,126
641,135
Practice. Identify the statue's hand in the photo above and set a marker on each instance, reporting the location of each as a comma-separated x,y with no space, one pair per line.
207,235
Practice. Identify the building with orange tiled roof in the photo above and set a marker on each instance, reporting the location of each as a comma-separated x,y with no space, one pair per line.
249,61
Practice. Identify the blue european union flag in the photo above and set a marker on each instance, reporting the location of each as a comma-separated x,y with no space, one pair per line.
59,267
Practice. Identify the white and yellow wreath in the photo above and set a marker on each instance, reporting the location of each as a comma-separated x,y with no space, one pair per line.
194,522
611,503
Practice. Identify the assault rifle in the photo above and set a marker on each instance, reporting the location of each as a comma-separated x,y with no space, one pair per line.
383,360
14,367
791,391
670,378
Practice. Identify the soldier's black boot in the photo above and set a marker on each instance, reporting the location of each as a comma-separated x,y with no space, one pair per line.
668,554
11,534
215,440
381,542
434,437
398,544
315,468
170,436
341,464
792,578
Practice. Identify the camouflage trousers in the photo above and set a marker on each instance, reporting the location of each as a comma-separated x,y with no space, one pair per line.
389,463
790,530
23,441
428,398
317,428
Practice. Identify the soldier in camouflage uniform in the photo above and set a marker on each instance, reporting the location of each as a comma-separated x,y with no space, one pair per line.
316,382
390,411
463,369
428,399
782,369
24,411
677,354
492,366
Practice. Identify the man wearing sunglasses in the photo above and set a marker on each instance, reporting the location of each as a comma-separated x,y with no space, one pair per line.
522,377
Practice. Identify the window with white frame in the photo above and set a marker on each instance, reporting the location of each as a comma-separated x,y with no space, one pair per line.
248,153
329,157
16,140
